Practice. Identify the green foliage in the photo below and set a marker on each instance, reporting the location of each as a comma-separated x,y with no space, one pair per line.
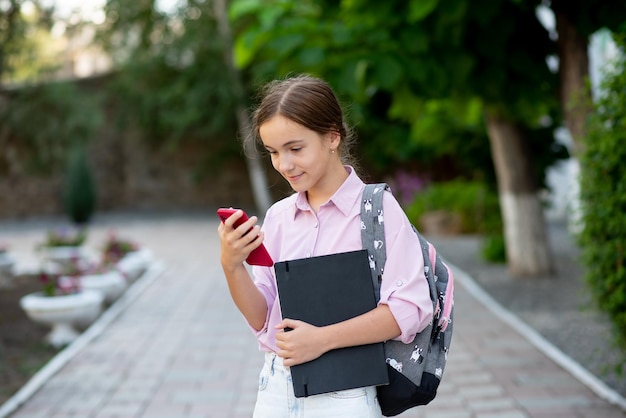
79,191
494,248
42,122
417,74
26,49
116,248
63,237
173,82
476,205
603,194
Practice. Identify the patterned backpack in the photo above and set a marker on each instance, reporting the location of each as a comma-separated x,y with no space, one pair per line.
415,369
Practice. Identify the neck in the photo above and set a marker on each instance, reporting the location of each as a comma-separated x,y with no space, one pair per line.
323,192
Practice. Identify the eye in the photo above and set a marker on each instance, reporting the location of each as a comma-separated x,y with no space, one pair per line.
296,149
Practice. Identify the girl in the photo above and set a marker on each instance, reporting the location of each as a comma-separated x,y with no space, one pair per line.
301,125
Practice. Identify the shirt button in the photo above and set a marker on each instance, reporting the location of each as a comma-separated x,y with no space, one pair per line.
399,283
315,226
308,255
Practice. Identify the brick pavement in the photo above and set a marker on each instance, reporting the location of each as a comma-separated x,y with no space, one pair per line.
182,350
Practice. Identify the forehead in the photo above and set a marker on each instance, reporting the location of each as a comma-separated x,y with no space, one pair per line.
279,130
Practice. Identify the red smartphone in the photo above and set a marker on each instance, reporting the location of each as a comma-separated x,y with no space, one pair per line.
259,256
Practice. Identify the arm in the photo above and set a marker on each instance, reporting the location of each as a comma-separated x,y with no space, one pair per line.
236,245
306,342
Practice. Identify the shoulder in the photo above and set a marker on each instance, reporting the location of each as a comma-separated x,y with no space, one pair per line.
394,214
281,208
390,203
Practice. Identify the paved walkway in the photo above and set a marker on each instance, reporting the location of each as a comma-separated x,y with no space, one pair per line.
176,347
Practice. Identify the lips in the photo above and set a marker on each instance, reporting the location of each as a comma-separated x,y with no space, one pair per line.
293,178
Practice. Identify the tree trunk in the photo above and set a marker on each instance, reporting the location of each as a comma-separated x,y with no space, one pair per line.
256,173
527,248
574,75
575,101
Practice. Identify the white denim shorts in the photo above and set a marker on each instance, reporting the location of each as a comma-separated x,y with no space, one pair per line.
276,399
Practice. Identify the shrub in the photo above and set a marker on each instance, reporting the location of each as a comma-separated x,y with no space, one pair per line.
476,206
494,248
603,196
79,193
43,122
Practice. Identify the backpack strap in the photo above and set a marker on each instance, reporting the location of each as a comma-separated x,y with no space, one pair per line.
373,231
436,272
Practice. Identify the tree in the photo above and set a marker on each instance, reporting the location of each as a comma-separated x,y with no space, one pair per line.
494,51
39,122
26,48
576,21
175,80
11,25
255,169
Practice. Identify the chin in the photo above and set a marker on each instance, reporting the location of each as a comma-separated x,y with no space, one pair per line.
298,185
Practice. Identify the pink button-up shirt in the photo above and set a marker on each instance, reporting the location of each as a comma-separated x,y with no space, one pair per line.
293,230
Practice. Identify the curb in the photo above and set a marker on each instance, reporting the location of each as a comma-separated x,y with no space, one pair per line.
536,339
64,356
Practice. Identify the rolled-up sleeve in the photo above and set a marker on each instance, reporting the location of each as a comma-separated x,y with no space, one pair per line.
263,280
404,287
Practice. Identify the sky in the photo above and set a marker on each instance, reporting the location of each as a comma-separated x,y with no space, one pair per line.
92,9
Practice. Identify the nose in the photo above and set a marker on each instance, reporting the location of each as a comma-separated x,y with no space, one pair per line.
283,163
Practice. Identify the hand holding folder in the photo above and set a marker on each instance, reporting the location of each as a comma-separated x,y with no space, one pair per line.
326,290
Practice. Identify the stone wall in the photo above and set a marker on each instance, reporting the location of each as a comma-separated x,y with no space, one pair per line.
129,175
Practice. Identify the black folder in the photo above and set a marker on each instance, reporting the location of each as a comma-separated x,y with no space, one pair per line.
325,290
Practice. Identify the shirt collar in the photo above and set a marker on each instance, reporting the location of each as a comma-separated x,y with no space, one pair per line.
344,199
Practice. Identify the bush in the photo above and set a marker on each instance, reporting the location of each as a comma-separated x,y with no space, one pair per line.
79,193
494,248
475,205
43,122
603,196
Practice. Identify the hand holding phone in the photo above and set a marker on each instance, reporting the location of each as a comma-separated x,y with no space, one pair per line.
259,256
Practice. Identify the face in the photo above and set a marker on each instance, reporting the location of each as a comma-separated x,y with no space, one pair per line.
302,156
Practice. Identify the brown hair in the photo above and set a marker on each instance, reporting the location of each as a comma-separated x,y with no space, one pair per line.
310,102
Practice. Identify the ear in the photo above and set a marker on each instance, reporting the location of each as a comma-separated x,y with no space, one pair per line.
333,139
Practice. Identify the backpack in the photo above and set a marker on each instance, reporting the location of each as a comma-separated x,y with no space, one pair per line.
415,369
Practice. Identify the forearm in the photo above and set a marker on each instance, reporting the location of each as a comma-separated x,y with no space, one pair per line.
374,326
247,297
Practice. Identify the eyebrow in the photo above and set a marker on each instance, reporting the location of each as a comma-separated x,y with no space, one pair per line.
288,144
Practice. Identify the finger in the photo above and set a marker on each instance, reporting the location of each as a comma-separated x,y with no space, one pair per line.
256,239
284,354
251,234
230,221
247,227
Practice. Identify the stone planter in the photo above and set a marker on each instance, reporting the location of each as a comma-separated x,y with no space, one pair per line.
6,269
111,284
133,264
63,313
64,258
